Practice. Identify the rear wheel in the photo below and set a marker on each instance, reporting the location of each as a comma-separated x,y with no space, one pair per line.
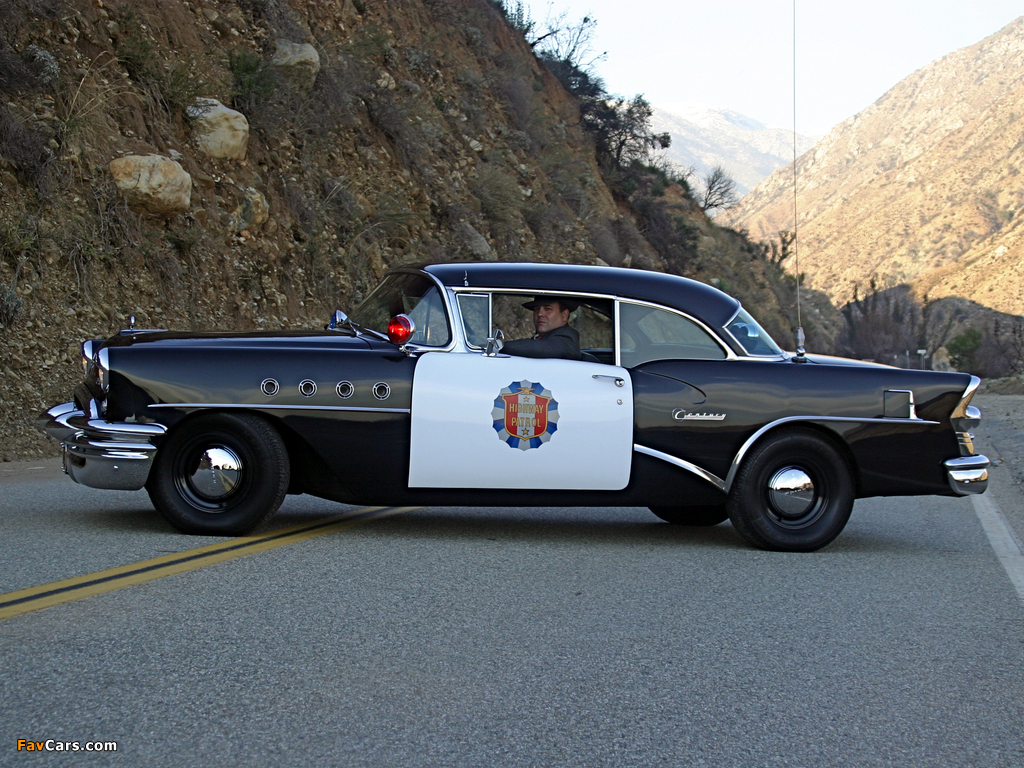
698,515
793,493
220,474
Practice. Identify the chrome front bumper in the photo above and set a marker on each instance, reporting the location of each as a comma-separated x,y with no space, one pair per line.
102,454
967,474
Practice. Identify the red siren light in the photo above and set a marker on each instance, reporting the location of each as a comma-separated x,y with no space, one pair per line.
401,329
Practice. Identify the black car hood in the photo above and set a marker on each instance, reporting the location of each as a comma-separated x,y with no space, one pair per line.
240,340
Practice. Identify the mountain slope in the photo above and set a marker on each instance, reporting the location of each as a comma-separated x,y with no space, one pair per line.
922,187
703,137
419,130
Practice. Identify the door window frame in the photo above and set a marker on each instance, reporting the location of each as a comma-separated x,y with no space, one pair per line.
461,341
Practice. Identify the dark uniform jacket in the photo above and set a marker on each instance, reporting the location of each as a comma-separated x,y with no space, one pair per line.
563,342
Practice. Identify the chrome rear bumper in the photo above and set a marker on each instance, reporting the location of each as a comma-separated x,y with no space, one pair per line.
967,474
102,454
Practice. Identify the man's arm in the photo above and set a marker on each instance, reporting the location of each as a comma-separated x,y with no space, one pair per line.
563,342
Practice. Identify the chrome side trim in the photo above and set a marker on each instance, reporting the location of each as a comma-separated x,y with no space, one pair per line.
738,459
964,418
701,473
61,421
960,411
274,407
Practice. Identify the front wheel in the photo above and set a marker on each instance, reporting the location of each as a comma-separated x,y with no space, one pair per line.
793,493
220,474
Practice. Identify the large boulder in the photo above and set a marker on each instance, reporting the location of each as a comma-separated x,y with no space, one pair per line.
220,131
152,183
297,64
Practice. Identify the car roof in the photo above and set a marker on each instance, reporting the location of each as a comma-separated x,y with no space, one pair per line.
703,301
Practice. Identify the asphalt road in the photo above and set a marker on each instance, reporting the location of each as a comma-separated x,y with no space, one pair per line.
497,637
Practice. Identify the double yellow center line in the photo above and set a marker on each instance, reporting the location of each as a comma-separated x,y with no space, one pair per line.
57,592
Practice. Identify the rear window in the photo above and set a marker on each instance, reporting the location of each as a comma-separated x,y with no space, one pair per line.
649,333
751,336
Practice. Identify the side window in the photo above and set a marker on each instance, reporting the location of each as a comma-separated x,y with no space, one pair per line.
649,333
592,319
475,309
597,330
431,321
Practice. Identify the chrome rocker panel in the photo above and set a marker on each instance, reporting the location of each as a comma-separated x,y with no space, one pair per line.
101,454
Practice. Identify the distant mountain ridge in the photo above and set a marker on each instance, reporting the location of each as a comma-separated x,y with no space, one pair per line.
703,137
924,187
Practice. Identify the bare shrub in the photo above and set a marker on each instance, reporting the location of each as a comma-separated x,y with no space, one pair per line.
25,150
10,303
390,118
568,175
604,242
499,195
548,220
14,13
15,73
341,205
16,240
254,81
79,108
628,236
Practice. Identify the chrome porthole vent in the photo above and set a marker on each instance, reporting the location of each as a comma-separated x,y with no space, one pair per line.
307,387
269,387
345,389
381,390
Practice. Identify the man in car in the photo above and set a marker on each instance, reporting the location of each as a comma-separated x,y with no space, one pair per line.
554,337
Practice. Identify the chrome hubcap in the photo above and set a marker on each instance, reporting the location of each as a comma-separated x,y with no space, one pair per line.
791,492
217,473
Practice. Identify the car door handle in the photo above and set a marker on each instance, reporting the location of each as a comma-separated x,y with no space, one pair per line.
619,382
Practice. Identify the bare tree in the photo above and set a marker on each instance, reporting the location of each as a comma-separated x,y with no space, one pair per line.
566,42
719,190
1008,341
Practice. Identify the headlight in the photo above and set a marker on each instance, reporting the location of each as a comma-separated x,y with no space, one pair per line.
103,368
88,361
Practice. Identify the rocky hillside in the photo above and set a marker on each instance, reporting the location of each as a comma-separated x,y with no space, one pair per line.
244,164
922,188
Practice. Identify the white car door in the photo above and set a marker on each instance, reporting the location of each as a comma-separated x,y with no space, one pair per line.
517,422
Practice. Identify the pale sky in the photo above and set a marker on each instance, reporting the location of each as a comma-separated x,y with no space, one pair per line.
739,53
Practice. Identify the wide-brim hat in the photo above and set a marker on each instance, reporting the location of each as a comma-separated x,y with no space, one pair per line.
563,301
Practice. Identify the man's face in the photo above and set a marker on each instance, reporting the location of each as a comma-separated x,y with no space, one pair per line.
549,315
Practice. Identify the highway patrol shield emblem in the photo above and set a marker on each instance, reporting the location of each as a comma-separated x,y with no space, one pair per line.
525,415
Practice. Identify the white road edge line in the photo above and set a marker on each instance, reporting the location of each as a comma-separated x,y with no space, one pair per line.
1003,539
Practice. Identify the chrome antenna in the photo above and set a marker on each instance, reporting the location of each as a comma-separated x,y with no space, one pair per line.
800,338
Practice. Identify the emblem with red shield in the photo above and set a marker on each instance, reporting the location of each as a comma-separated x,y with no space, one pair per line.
525,415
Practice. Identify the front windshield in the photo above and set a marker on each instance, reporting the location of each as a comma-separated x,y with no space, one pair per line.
410,294
752,336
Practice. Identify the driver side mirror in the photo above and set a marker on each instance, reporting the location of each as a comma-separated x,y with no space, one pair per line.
338,319
495,342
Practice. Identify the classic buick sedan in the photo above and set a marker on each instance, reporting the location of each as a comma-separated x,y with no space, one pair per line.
680,402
